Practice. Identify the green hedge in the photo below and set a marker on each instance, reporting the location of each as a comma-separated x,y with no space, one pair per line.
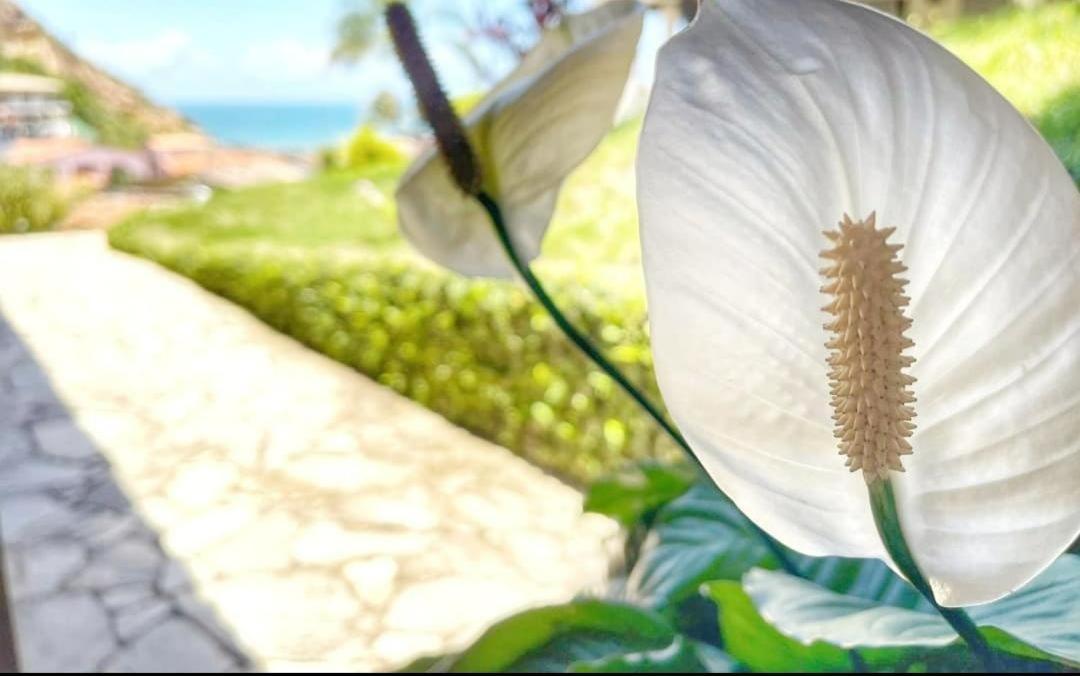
366,148
29,202
481,353
113,128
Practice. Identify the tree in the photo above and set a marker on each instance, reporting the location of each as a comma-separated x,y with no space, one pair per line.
358,31
514,30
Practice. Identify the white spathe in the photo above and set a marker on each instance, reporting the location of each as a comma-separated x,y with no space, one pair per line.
769,120
529,132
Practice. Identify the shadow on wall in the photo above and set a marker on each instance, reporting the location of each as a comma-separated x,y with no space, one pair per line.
90,586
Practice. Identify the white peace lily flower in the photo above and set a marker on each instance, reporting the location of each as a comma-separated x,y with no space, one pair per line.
771,120
529,133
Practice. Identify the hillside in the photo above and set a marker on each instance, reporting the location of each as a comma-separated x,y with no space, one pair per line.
118,112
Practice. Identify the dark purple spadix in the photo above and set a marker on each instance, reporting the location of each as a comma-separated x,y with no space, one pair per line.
450,133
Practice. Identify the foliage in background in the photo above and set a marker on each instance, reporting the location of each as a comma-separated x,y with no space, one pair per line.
466,102
481,353
18,64
366,150
1033,58
510,28
386,108
358,31
702,595
111,128
323,261
29,202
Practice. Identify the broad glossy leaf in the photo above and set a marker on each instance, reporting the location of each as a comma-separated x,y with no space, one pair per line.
555,638
863,578
1040,621
757,644
696,538
682,656
629,495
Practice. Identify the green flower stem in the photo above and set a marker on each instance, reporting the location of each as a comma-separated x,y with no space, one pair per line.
593,353
887,520
454,146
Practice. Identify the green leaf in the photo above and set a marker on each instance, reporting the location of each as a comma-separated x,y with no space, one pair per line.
868,579
428,664
696,538
630,495
556,638
1044,615
682,656
757,644
1039,622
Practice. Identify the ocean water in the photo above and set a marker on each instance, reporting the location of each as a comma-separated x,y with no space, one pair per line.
288,127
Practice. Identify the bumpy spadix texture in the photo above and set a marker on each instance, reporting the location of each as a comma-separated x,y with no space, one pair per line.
770,119
529,133
449,133
871,393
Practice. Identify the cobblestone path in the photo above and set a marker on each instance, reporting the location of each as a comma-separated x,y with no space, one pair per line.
181,488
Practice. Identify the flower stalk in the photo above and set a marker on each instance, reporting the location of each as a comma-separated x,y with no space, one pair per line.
454,146
590,350
887,520
456,149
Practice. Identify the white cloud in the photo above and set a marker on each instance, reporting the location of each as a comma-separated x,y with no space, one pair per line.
141,57
285,58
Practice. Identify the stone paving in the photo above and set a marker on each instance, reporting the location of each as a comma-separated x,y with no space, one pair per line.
181,488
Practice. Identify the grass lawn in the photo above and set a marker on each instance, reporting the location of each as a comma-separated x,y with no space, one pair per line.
322,260
1033,58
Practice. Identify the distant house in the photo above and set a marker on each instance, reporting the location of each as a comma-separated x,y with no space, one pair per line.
40,151
99,166
181,154
33,107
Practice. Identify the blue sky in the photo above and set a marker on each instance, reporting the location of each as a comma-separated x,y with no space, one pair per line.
245,50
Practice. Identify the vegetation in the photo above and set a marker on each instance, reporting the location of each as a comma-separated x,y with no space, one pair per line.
18,64
702,594
366,150
1033,58
322,261
29,201
112,128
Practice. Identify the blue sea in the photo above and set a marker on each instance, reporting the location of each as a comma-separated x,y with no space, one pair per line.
287,127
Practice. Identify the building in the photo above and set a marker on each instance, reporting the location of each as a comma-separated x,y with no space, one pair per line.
75,160
99,166
32,106
181,154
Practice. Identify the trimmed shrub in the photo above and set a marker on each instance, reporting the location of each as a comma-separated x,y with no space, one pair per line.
466,102
29,202
112,127
479,352
368,149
